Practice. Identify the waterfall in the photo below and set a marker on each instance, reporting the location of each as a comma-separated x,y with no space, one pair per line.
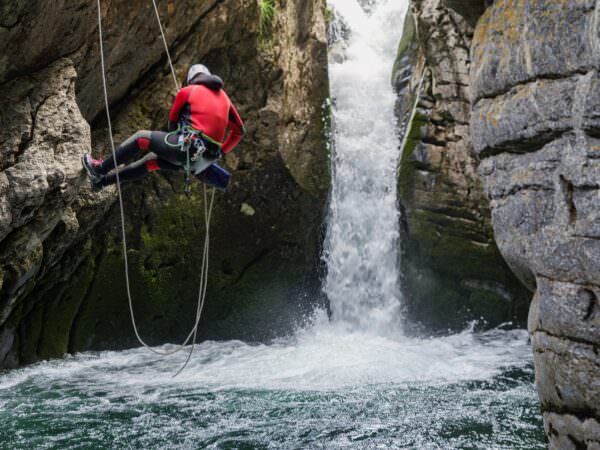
361,249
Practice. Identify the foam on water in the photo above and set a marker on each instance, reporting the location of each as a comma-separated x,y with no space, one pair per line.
324,388
320,358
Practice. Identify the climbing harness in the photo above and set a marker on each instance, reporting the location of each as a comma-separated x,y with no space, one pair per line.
193,143
208,206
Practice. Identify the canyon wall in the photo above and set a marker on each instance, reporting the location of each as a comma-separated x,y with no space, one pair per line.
506,127
62,280
535,126
453,271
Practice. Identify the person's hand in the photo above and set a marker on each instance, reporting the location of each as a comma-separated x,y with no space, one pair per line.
213,153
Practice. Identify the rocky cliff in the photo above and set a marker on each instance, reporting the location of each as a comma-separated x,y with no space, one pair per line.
61,271
535,126
453,271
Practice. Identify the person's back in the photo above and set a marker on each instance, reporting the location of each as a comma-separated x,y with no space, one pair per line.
205,106
207,110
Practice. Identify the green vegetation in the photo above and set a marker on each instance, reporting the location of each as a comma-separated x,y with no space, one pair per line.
407,46
267,13
328,15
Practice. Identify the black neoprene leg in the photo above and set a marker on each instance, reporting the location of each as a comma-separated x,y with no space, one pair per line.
132,172
140,169
128,150
166,165
166,147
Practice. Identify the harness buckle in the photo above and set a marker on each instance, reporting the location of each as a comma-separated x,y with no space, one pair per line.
200,147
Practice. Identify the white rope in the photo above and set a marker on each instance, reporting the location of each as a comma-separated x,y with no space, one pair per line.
207,213
203,276
162,33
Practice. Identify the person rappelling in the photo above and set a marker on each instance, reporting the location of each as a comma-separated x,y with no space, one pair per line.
199,120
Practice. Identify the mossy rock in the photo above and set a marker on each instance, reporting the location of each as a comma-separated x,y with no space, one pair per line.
407,51
452,269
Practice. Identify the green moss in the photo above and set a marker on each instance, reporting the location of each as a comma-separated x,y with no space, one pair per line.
254,296
407,166
30,333
329,15
59,316
266,10
407,41
453,279
441,302
452,275
326,133
102,319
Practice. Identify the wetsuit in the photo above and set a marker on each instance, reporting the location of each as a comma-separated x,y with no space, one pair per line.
203,105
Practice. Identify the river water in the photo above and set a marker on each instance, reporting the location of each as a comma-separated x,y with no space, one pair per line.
352,380
323,388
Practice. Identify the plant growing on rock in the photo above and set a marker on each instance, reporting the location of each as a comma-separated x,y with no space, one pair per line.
266,14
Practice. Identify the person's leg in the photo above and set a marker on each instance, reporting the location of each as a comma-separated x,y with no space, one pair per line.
166,147
132,172
138,170
136,145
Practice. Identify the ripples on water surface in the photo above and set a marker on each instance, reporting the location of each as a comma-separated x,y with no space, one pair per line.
324,388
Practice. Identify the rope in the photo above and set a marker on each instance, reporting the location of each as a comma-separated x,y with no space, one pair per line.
207,213
203,277
162,33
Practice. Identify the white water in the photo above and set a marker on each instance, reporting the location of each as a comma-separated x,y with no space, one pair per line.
325,388
324,357
362,243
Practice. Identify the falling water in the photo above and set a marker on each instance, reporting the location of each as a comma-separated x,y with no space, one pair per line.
362,241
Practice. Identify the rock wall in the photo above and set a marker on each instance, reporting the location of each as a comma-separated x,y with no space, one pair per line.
453,271
536,97
62,271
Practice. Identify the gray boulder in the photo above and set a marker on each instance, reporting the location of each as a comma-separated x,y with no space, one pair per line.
535,127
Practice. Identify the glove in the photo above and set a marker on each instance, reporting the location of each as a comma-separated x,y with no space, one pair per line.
213,152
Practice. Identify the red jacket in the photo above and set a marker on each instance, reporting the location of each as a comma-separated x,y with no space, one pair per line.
210,111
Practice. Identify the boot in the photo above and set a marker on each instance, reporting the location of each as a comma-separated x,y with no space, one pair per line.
92,167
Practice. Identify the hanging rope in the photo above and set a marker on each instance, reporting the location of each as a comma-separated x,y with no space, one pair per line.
162,33
207,214
203,276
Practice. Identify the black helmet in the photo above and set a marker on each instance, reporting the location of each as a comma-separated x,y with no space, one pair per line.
195,70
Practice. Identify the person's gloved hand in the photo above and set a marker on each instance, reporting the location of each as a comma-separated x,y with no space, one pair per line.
213,153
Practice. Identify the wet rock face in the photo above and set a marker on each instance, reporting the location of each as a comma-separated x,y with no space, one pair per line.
453,271
42,139
61,272
534,124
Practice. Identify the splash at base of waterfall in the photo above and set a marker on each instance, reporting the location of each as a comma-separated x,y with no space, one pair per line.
323,388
